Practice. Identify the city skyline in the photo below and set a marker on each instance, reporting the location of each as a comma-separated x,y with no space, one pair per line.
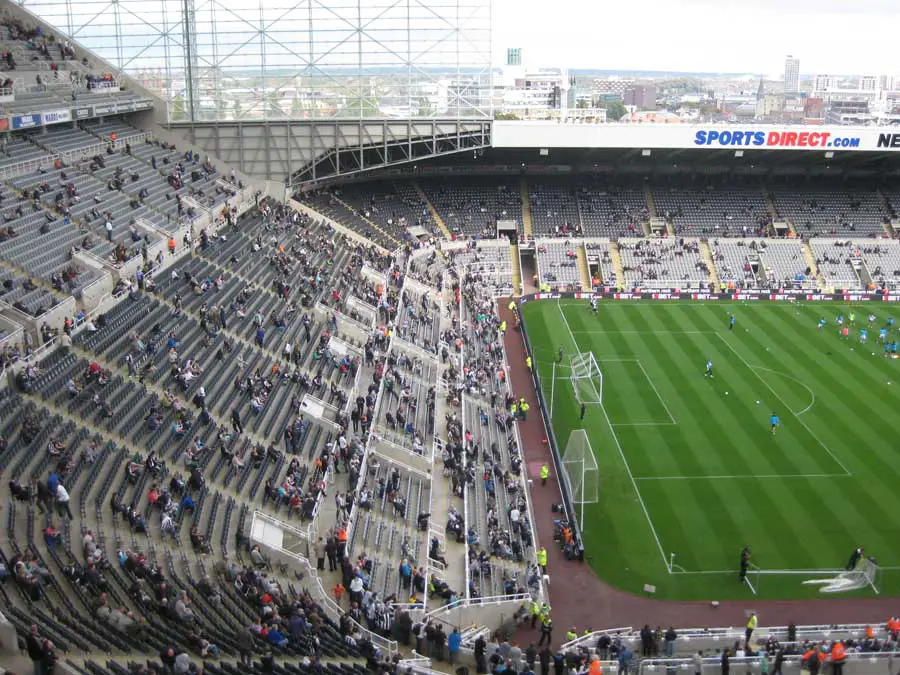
725,36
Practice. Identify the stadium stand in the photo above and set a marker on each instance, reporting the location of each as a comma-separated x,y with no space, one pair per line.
882,262
471,206
842,211
761,263
838,262
662,263
610,209
714,209
557,264
554,207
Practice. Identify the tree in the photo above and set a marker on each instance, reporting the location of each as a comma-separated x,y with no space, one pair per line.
296,107
425,107
221,106
615,110
361,106
273,107
177,111
506,116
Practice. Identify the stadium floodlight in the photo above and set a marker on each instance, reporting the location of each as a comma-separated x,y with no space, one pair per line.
587,378
580,472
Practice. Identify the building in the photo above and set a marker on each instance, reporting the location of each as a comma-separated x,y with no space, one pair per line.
613,85
514,56
791,75
814,109
641,96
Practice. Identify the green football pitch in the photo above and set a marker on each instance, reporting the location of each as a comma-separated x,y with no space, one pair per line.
690,472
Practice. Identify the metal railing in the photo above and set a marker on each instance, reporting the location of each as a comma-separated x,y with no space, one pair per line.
729,634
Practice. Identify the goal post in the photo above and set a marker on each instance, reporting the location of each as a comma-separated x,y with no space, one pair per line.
581,473
587,378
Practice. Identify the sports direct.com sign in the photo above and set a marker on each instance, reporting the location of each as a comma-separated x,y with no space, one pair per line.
549,135
773,139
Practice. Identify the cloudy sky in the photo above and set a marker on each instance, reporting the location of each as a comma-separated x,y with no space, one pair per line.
829,36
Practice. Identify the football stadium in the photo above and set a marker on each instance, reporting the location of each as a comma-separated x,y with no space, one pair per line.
331,346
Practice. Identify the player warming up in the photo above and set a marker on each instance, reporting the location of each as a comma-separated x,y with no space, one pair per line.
774,422
709,372
745,563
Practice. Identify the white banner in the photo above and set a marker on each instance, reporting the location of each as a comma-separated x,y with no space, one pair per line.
56,117
675,136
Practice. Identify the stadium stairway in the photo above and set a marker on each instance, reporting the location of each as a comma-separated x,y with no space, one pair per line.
433,211
811,262
616,258
371,223
773,214
648,198
708,259
583,270
516,269
888,209
527,222
770,205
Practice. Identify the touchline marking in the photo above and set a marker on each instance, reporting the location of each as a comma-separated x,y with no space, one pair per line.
643,332
656,391
790,377
786,407
747,476
645,424
634,484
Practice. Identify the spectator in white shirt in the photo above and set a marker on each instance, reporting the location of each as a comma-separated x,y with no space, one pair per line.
62,501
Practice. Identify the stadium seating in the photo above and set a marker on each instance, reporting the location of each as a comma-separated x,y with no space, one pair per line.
554,207
882,262
557,263
839,211
718,210
761,263
663,263
471,206
487,262
837,261
610,209
280,361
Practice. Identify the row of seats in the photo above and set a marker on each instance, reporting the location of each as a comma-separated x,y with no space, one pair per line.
600,206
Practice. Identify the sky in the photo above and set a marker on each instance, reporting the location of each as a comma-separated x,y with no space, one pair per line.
740,36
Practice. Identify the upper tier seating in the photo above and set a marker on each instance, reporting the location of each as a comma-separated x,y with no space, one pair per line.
718,210
471,206
840,211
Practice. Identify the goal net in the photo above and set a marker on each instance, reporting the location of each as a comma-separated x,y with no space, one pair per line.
587,380
580,472
867,573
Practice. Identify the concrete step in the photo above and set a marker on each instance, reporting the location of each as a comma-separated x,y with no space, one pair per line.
584,270
706,253
527,220
434,212
516,270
